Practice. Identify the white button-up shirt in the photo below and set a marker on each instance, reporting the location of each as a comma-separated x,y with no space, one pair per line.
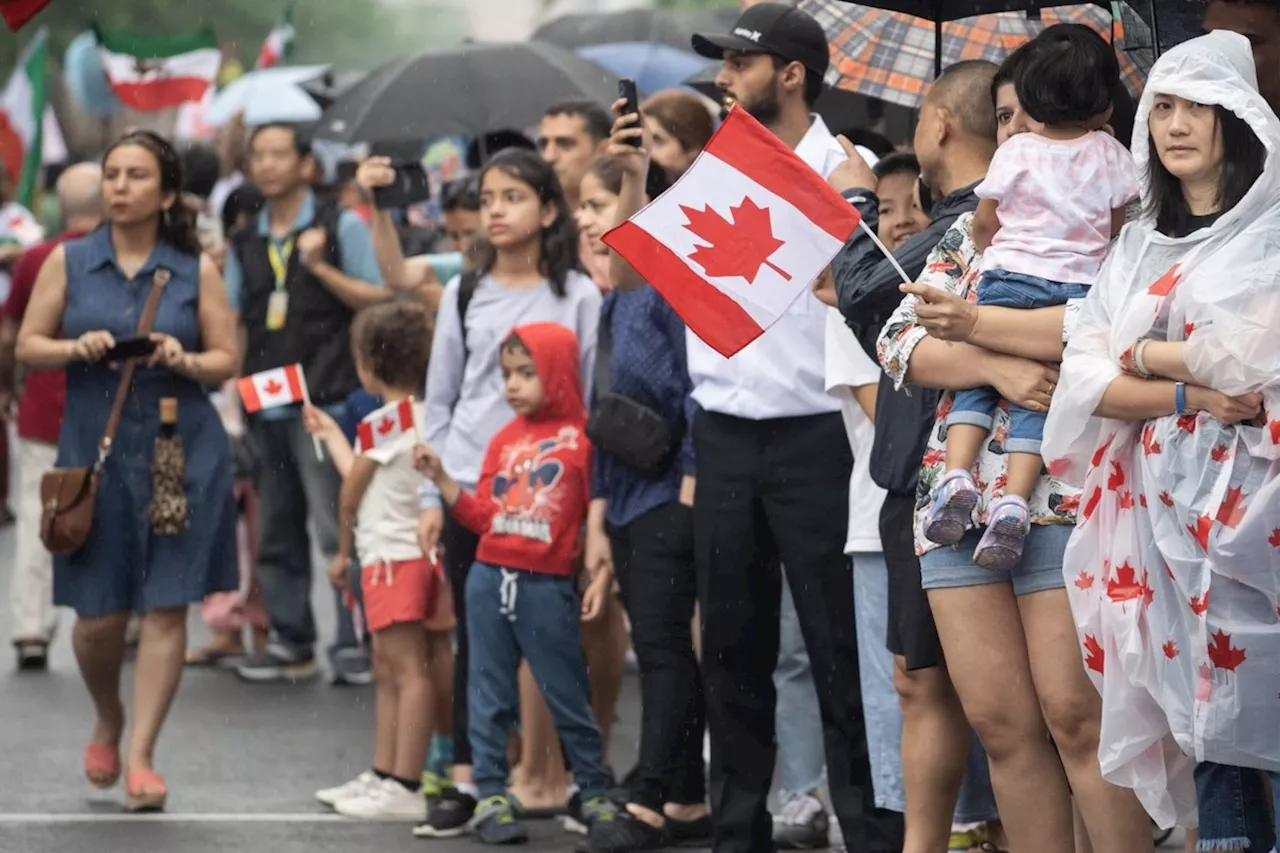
781,373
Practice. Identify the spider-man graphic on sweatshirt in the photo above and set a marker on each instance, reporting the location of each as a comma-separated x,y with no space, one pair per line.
535,482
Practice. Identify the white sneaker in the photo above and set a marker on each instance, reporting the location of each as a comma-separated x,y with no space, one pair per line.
387,799
355,788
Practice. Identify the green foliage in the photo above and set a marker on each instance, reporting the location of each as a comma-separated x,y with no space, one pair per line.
346,33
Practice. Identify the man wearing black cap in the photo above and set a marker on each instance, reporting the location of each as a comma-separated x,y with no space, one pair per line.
773,465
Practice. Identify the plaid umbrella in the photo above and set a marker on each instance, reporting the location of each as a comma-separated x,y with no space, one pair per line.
890,55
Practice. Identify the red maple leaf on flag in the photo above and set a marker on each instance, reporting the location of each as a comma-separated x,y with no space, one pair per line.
1187,423
1230,512
1126,499
1165,284
1084,581
738,247
1125,586
1142,499
1166,499
1223,654
1274,428
1187,329
1092,503
1116,479
1199,603
273,386
1150,446
1170,649
386,425
1058,467
1220,453
1096,657
1200,530
1102,450
1274,538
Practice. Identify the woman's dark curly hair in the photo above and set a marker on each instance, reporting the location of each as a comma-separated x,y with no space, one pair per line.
392,340
177,224
559,241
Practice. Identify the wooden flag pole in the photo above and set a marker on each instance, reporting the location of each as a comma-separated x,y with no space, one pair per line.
306,400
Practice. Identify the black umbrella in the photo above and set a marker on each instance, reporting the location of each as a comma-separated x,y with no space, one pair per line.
331,85
630,25
466,90
941,11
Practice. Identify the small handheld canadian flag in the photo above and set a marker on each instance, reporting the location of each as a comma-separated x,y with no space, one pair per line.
280,386
386,425
739,237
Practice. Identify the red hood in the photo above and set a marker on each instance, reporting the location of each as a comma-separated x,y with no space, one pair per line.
554,349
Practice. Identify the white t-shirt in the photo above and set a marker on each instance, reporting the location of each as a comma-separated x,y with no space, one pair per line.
1055,199
387,523
847,368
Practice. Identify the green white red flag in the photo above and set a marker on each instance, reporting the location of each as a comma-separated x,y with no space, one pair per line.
22,107
279,43
156,72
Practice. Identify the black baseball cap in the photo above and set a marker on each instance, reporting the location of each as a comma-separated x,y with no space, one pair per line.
774,28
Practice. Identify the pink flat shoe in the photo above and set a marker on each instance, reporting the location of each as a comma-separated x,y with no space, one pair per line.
145,791
101,765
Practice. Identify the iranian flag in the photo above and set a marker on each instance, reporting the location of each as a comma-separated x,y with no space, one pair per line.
279,43
18,12
270,389
739,237
386,425
22,118
150,73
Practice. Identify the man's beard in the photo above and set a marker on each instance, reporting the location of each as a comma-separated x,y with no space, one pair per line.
765,108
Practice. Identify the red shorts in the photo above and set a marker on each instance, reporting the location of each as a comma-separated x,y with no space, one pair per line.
406,591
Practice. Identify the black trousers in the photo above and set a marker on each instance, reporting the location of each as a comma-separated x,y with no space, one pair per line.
653,559
770,491
459,545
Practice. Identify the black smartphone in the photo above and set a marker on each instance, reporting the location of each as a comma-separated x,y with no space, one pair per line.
627,91
412,185
130,348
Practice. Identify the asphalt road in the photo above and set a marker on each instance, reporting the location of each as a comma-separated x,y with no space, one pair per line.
242,762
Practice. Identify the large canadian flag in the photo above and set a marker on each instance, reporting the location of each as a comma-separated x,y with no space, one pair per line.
155,72
739,237
280,386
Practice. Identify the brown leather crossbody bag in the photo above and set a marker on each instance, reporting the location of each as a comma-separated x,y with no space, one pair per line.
67,495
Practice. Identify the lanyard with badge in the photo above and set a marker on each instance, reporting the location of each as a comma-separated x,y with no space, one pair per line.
278,303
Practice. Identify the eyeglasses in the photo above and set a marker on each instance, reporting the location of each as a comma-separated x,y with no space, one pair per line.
461,193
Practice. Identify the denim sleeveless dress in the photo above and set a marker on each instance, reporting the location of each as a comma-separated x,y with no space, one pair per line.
125,566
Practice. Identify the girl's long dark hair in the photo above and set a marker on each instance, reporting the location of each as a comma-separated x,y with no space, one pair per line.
558,241
1243,159
177,225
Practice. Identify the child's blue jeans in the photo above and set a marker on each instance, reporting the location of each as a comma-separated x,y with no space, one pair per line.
515,615
1235,812
977,406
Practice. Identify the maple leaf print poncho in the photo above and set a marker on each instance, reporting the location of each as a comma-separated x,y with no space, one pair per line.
1173,571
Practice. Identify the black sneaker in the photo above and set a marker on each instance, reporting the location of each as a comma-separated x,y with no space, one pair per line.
495,822
278,663
33,655
449,817
623,833
803,824
690,833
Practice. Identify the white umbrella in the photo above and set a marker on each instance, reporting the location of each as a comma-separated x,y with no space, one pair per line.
268,95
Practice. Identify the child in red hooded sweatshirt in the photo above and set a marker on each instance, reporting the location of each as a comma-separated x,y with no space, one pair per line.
522,602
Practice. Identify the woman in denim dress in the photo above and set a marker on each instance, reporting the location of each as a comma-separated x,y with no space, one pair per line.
89,295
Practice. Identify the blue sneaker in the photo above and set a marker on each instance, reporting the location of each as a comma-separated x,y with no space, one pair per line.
951,512
278,663
1008,522
350,666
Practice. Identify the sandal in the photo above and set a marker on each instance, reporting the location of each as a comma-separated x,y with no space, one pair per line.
101,765
145,791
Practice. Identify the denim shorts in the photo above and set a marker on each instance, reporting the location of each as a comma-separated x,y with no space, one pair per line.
952,566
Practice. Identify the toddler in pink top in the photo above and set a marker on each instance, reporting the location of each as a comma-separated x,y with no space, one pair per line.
1051,202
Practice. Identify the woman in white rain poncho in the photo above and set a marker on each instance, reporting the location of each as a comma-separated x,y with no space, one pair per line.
1174,567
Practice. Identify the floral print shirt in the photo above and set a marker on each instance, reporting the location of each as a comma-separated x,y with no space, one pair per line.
955,266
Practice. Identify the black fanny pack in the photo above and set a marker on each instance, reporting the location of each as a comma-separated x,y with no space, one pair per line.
630,432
